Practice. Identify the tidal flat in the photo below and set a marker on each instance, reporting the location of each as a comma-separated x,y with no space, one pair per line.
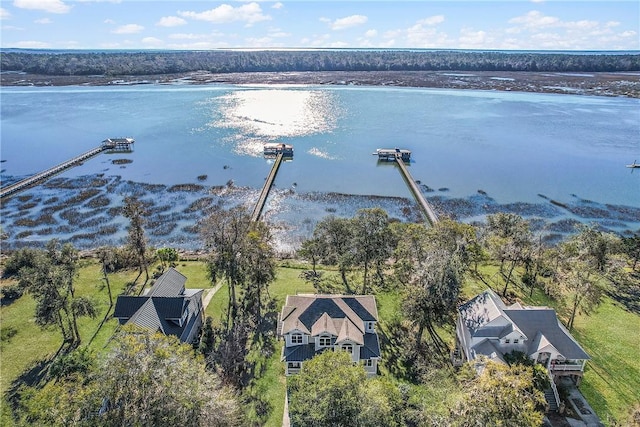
86,211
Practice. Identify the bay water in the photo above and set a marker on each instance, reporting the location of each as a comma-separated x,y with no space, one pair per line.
509,148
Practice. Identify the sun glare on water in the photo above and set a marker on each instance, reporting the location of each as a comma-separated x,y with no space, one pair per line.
259,116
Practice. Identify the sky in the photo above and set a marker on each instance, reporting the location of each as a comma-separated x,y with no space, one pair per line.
203,25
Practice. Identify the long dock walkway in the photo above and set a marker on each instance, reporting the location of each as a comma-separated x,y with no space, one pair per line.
27,182
257,210
426,207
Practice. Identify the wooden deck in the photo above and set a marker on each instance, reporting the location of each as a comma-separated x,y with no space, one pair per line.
109,145
257,210
41,176
422,201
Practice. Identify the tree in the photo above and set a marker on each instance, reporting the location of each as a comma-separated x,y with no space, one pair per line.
631,247
582,262
146,379
50,281
508,239
335,235
107,261
134,210
500,395
331,391
577,284
436,274
433,293
311,250
258,269
167,256
372,245
224,234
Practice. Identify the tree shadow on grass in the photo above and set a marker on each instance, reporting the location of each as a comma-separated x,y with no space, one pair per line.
32,377
627,295
404,357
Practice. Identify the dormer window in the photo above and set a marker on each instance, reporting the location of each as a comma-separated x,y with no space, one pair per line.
516,341
324,341
507,341
296,338
348,348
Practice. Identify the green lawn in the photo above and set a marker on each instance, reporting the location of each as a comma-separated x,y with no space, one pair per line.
609,335
31,343
612,379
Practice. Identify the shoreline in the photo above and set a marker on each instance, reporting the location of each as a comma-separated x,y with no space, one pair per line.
85,211
624,84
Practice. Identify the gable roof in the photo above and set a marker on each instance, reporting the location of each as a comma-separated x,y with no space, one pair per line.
311,313
532,321
170,284
486,316
164,307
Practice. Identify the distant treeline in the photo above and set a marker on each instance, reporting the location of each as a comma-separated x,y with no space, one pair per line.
145,63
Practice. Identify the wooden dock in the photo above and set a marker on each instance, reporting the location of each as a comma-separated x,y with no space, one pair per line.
422,201
121,144
257,210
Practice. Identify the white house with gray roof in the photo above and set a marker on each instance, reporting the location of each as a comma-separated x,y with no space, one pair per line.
311,324
488,327
167,307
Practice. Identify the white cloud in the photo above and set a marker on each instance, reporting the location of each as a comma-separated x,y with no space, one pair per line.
422,34
224,14
187,36
128,29
432,20
4,13
278,33
277,5
371,33
109,21
261,42
535,19
170,21
475,39
51,6
43,21
537,1
31,44
534,30
152,41
346,22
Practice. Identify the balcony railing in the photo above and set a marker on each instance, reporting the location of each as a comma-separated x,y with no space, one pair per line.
567,366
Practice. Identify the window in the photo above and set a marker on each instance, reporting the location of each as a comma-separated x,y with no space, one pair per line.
507,341
368,362
296,338
348,348
294,365
324,341
515,341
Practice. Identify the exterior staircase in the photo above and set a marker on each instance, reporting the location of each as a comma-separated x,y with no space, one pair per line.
550,397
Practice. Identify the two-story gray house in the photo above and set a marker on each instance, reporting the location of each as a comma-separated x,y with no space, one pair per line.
310,324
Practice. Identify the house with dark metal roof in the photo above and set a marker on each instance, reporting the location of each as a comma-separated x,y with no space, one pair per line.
311,324
167,307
